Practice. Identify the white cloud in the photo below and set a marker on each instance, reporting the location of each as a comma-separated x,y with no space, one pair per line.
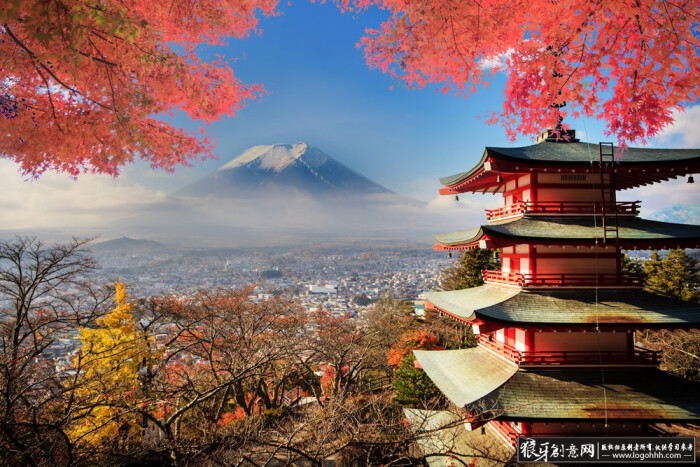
468,212
685,131
57,202
662,195
496,61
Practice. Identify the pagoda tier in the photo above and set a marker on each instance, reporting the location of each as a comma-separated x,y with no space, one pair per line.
632,233
546,401
565,327
553,164
548,394
494,307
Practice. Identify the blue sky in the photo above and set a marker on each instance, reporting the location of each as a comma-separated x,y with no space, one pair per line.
320,91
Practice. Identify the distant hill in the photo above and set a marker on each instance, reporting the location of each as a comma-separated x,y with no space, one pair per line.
128,244
680,214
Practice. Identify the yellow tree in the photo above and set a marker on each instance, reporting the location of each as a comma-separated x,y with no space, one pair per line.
107,379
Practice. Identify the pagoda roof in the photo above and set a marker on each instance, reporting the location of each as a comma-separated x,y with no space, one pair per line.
635,394
544,394
465,375
632,231
569,307
569,154
442,438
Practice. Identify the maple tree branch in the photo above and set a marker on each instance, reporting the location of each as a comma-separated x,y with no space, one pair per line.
684,10
454,39
568,78
673,27
48,93
38,64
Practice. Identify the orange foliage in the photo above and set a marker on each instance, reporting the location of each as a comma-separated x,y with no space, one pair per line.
228,417
412,340
328,378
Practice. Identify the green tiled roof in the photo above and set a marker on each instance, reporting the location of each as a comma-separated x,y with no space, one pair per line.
563,229
648,394
464,303
566,306
583,152
442,438
465,375
577,153
456,178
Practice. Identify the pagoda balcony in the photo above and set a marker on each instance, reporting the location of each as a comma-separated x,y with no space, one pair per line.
637,357
562,208
574,280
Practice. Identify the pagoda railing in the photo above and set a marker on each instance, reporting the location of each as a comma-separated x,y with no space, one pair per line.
581,280
509,352
638,356
567,208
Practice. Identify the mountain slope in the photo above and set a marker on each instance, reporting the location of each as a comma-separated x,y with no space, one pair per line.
680,214
278,168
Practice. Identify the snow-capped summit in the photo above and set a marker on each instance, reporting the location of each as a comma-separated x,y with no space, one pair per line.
277,157
278,168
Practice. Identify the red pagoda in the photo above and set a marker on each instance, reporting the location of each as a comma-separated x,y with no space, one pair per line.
556,324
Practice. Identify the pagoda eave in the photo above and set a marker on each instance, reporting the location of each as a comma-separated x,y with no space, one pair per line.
636,167
632,233
488,324
628,244
599,419
639,395
540,310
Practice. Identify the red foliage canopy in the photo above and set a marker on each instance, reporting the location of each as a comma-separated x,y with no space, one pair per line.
85,84
628,62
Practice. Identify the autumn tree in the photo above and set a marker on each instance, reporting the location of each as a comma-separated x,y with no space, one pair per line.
630,64
412,340
385,322
411,385
674,275
632,265
340,347
45,292
465,272
97,80
109,364
223,353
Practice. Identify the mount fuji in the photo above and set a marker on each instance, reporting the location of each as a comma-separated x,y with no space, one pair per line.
281,168
281,194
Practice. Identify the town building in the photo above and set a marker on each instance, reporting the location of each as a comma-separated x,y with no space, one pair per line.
556,325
